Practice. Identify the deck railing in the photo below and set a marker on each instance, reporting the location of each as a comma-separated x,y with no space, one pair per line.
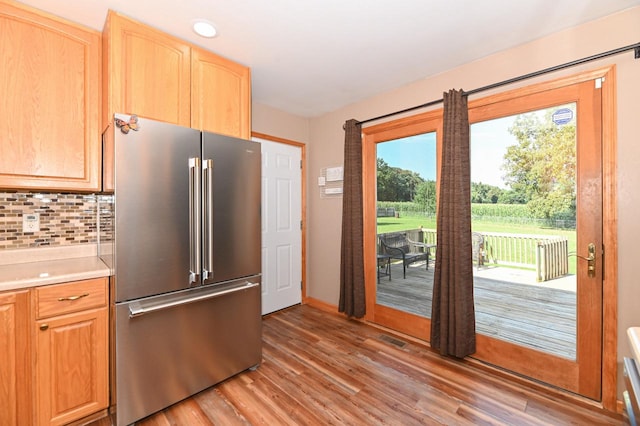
547,254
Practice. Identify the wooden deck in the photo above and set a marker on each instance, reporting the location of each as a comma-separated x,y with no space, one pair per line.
540,318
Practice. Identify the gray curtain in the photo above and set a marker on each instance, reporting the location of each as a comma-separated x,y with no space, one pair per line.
453,316
352,298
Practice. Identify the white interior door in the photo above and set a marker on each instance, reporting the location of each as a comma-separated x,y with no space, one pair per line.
281,233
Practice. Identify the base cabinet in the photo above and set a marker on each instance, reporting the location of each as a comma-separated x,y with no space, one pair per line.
54,353
15,366
72,353
71,373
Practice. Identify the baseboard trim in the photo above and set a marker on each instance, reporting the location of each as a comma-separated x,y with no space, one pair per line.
323,306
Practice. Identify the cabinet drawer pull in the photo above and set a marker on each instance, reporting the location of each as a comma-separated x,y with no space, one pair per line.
72,298
43,327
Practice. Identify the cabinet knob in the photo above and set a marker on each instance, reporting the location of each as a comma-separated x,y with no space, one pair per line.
43,327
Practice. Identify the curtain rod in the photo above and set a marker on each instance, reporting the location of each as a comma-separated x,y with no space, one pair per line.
635,47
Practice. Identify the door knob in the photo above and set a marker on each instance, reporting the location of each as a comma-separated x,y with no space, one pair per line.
591,260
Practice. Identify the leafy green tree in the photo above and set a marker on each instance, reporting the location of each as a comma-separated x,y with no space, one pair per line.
484,193
385,181
426,196
510,196
396,184
541,167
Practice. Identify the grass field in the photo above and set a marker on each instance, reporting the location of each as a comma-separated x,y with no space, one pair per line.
405,221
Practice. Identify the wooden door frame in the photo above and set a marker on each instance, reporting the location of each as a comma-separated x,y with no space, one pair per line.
582,375
374,134
404,322
303,202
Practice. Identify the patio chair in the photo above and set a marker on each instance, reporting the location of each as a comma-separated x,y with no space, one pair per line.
398,246
478,249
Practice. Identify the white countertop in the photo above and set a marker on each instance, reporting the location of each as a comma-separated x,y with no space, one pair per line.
51,265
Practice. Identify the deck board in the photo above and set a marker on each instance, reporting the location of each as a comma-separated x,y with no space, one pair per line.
540,318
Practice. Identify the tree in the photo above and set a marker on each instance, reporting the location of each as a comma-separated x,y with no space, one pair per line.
426,196
385,181
396,184
541,167
510,196
484,193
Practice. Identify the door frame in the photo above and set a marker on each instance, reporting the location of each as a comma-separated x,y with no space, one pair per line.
303,202
382,132
431,121
582,375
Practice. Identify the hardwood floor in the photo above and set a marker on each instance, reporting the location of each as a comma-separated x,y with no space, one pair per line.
320,368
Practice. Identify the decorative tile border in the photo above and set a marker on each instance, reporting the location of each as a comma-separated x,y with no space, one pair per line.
65,219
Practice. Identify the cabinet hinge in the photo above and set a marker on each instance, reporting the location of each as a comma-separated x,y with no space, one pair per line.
300,164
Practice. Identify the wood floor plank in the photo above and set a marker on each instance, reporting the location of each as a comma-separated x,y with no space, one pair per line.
187,413
323,400
323,369
451,381
218,409
249,404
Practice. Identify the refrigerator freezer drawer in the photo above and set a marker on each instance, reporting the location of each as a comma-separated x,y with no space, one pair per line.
167,350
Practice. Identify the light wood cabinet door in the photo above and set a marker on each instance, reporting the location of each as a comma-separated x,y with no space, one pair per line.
50,102
72,366
220,95
71,350
15,357
147,72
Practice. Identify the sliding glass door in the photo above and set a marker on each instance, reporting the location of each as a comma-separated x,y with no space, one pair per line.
537,231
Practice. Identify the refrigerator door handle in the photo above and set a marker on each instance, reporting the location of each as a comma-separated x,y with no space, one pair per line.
194,220
207,267
137,309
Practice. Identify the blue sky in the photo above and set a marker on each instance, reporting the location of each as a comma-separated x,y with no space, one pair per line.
488,145
416,153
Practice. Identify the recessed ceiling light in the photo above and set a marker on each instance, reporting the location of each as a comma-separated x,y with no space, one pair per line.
204,28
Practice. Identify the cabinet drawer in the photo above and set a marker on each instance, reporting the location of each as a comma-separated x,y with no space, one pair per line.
70,297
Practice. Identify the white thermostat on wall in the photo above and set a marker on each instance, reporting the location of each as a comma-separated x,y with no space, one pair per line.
31,222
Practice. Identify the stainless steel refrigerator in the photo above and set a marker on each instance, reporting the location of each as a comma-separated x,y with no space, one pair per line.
186,255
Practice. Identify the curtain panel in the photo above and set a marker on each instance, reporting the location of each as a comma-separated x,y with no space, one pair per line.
352,296
453,316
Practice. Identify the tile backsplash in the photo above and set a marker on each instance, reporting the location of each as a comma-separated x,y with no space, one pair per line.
65,219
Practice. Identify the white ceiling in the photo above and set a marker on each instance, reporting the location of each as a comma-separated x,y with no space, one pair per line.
309,57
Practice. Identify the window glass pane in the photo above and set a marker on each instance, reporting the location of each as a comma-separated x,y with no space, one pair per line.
406,222
523,194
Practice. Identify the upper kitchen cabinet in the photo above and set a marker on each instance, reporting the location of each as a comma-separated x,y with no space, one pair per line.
147,72
220,95
50,102
155,75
